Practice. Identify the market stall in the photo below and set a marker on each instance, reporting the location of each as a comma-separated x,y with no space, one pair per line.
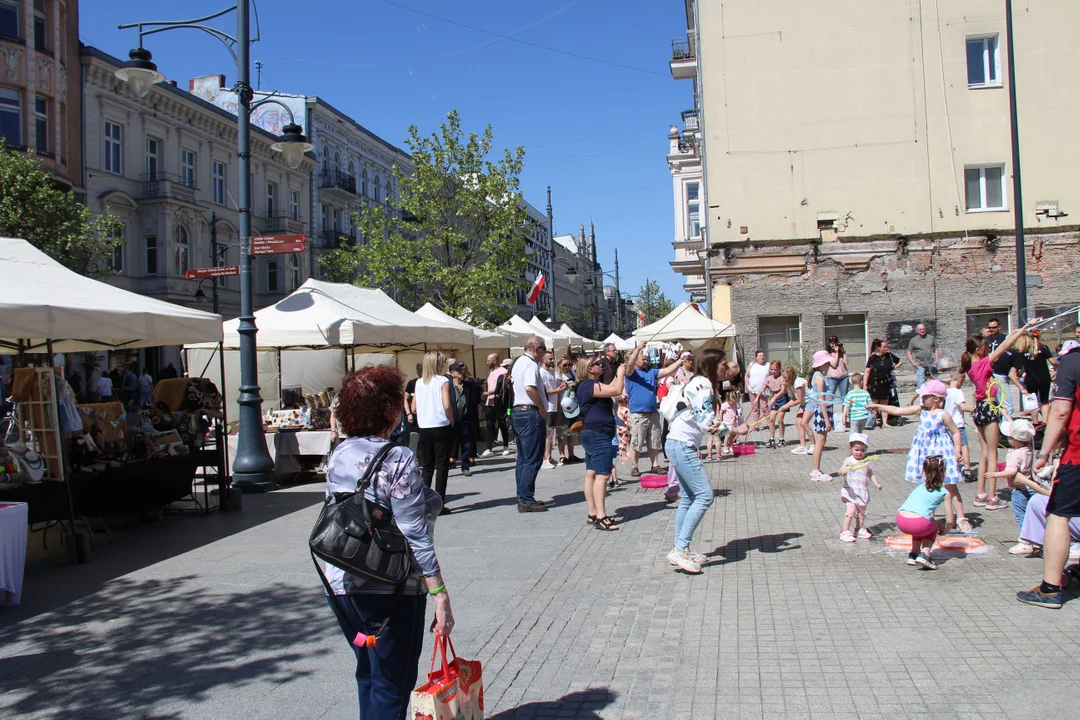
618,342
578,340
555,341
74,460
687,324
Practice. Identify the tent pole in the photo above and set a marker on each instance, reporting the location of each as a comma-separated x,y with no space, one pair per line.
279,384
60,439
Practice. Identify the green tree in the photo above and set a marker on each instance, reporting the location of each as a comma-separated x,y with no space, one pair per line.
652,302
580,319
460,241
33,208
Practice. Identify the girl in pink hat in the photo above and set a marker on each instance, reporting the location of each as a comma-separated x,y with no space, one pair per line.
820,403
932,439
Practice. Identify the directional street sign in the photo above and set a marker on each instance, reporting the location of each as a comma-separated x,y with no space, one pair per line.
221,271
275,244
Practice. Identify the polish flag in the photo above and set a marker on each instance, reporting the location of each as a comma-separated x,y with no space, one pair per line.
537,286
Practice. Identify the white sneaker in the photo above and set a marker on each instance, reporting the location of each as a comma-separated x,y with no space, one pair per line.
1022,548
726,451
818,476
1074,551
486,453
800,450
695,556
550,465
682,561
846,536
506,451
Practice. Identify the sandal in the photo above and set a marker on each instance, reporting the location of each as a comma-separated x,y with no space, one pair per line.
657,470
634,472
606,523
590,519
770,443
964,525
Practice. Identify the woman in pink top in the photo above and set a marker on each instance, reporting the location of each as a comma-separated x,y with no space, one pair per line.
836,377
978,363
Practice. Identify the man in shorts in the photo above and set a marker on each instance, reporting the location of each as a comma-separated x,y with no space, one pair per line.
1064,502
646,428
553,388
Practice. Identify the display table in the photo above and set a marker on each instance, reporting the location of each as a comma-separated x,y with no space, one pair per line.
286,448
135,486
13,529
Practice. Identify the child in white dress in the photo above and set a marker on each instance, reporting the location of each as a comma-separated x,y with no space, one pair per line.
856,490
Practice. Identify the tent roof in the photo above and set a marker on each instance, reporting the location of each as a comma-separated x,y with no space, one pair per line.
322,314
685,322
482,339
41,300
518,325
578,338
620,344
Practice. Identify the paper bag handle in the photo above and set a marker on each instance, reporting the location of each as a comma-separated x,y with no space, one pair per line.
440,644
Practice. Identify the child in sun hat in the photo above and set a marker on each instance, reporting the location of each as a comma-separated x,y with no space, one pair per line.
856,490
819,402
933,438
1018,472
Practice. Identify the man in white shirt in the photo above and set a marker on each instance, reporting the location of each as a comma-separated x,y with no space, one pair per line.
105,388
527,419
553,387
494,414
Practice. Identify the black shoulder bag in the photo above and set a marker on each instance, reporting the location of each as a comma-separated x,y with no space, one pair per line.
360,537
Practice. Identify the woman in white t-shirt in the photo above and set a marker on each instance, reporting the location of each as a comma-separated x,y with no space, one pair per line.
756,375
796,399
434,415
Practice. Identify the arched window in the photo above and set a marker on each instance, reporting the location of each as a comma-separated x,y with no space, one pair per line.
377,199
337,160
363,182
326,156
352,169
388,194
183,249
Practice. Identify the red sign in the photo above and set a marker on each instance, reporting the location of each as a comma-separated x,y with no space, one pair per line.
210,272
274,244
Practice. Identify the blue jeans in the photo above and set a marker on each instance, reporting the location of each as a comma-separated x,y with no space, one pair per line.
1007,399
530,431
1020,497
837,387
697,492
385,674
465,442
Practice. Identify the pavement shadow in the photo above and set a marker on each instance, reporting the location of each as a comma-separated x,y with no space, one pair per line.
50,582
132,648
637,512
736,550
580,705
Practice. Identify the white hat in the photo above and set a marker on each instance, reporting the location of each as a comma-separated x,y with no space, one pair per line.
858,438
569,405
1019,430
1067,347
507,362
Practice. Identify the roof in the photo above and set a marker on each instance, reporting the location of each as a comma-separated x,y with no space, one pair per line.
568,242
316,100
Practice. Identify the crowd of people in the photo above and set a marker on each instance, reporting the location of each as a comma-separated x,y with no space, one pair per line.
649,403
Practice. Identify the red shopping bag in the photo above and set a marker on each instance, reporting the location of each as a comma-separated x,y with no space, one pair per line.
453,692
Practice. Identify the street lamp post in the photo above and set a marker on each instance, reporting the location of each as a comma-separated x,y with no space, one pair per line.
253,467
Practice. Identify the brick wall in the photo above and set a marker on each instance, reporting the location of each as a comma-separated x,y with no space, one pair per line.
915,279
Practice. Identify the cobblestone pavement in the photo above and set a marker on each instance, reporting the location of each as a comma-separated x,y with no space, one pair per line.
221,616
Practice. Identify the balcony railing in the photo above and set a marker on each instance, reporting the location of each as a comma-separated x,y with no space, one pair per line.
690,120
334,239
339,180
681,50
166,185
280,223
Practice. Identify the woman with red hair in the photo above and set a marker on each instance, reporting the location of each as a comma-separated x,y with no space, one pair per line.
369,409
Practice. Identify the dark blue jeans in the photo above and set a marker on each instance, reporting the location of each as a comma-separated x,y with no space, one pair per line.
530,431
465,442
386,674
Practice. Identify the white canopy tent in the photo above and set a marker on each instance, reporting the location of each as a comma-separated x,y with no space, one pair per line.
555,341
687,324
482,339
578,339
41,300
619,343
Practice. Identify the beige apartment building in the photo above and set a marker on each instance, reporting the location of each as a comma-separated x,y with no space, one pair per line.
858,169
40,88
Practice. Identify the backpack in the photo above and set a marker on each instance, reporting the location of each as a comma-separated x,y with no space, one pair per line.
673,403
455,400
504,392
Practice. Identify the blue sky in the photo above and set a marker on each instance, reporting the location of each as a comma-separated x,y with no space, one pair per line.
595,132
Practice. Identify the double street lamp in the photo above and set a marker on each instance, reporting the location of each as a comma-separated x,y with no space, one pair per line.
253,467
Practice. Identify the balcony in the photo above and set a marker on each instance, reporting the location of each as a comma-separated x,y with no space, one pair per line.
338,183
279,223
336,239
690,121
683,59
165,186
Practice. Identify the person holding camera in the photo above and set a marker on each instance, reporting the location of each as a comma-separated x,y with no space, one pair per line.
836,377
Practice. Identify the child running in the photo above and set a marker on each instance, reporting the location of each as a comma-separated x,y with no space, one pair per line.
856,490
776,384
932,439
856,403
916,516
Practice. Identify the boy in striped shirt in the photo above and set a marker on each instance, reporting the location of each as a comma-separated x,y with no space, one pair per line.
855,402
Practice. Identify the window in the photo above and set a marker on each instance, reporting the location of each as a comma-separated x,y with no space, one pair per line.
780,338
693,190
294,271
983,62
977,319
116,261
850,328
363,182
325,217
271,276
271,199
114,154
11,116
294,205
984,187
10,26
387,187
152,166
376,188
151,255
219,182
41,124
336,214
183,249
337,160
41,27
352,169
187,167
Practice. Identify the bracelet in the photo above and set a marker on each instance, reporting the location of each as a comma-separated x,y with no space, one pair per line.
436,591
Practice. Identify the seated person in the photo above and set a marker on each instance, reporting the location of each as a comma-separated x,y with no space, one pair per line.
1034,528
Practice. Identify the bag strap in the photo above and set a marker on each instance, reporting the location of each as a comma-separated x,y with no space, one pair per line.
440,644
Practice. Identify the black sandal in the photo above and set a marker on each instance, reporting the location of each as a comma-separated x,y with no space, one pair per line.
590,519
606,523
